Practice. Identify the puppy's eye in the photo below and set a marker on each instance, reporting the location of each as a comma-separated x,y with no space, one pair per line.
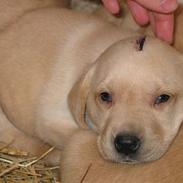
162,99
106,97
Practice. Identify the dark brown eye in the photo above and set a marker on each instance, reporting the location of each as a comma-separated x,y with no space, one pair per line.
162,99
106,97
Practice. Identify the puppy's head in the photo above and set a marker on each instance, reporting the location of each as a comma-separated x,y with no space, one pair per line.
133,98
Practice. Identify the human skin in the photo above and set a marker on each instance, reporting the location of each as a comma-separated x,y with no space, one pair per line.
159,13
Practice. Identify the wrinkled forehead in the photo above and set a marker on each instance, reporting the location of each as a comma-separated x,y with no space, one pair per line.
154,61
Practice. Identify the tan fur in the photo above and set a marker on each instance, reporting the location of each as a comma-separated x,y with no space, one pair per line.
78,96
34,41
133,110
51,56
81,154
10,13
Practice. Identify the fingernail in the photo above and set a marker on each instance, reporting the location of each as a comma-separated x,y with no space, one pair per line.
169,5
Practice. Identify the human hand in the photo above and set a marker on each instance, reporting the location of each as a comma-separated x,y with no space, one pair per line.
159,13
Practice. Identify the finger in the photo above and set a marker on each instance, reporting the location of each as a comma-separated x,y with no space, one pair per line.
164,26
112,6
139,13
161,6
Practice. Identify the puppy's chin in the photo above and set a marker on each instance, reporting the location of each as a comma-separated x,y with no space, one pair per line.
126,159
129,161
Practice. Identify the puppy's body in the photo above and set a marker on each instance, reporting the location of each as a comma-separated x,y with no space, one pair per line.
44,53
52,56
11,11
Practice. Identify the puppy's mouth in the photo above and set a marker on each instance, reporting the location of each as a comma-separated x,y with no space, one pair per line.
128,160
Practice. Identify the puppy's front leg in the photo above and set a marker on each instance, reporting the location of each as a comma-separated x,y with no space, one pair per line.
81,145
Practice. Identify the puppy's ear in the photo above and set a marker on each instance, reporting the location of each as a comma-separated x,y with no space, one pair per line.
78,96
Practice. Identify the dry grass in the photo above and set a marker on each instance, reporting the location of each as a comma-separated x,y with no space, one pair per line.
17,166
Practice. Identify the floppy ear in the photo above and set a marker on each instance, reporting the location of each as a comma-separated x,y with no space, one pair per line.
78,96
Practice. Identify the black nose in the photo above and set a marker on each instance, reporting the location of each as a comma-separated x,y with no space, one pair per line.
127,144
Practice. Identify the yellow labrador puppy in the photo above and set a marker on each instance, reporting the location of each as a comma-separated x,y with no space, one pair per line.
60,67
14,16
81,162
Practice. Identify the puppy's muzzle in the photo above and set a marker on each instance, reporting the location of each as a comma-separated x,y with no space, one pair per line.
126,144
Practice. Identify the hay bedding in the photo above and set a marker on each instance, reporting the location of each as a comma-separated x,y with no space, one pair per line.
17,166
